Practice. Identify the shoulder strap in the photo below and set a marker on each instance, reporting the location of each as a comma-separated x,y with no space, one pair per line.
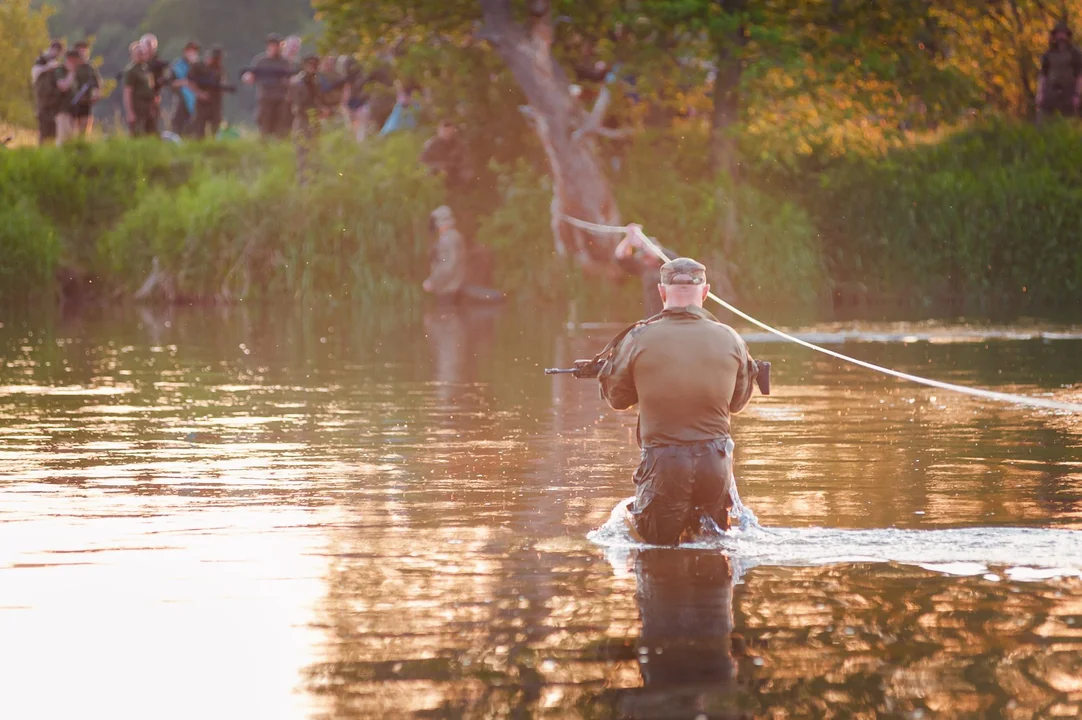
622,334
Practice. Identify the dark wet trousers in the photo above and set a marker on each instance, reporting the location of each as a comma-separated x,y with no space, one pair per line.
675,485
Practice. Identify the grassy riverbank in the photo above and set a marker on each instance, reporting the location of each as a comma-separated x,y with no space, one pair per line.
986,218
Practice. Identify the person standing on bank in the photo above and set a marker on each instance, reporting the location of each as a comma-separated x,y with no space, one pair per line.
447,258
1059,84
66,89
160,78
208,81
139,95
43,77
688,373
87,91
270,73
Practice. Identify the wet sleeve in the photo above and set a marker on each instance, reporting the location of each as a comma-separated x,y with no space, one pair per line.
745,379
617,379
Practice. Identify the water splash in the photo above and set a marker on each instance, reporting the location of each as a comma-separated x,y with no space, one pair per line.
1021,554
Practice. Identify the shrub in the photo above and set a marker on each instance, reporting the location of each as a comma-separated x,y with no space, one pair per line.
990,214
30,251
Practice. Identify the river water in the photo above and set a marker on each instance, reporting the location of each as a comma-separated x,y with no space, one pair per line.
284,514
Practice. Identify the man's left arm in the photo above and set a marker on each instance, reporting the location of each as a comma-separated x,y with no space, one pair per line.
746,374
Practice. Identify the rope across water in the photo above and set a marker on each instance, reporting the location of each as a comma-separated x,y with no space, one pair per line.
975,392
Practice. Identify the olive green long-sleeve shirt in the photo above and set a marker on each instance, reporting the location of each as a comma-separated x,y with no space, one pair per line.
686,371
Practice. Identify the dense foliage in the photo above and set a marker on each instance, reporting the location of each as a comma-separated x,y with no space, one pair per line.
25,35
225,221
991,215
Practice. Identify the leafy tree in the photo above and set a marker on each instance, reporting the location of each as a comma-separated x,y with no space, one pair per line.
26,35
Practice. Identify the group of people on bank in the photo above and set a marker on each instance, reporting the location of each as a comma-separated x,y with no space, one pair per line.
295,94
66,86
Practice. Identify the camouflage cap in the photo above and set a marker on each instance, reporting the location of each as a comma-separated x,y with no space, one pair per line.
683,271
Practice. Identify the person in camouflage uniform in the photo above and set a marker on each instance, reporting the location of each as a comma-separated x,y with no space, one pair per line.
688,373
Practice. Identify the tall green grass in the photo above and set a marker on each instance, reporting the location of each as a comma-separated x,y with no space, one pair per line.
991,216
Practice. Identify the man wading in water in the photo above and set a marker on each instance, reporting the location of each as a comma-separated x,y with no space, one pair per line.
688,373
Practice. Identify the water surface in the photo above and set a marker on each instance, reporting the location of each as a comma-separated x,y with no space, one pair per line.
281,514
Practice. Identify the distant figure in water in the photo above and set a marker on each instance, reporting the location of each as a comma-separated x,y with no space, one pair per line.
451,276
448,257
688,373
636,259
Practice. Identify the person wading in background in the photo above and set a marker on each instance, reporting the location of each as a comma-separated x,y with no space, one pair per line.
688,373
1059,84
160,77
448,258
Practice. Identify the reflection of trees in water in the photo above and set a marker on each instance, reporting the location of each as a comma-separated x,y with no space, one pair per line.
839,446
837,642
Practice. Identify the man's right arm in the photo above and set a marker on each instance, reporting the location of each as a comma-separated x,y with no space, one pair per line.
617,379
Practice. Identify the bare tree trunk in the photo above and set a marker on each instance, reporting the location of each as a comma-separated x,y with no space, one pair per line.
723,150
580,186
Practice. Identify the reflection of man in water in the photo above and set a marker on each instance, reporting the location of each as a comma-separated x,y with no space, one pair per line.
688,373
455,335
685,651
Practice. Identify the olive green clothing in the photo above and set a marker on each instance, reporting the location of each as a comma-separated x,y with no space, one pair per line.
677,486
46,93
62,99
141,81
87,79
686,371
